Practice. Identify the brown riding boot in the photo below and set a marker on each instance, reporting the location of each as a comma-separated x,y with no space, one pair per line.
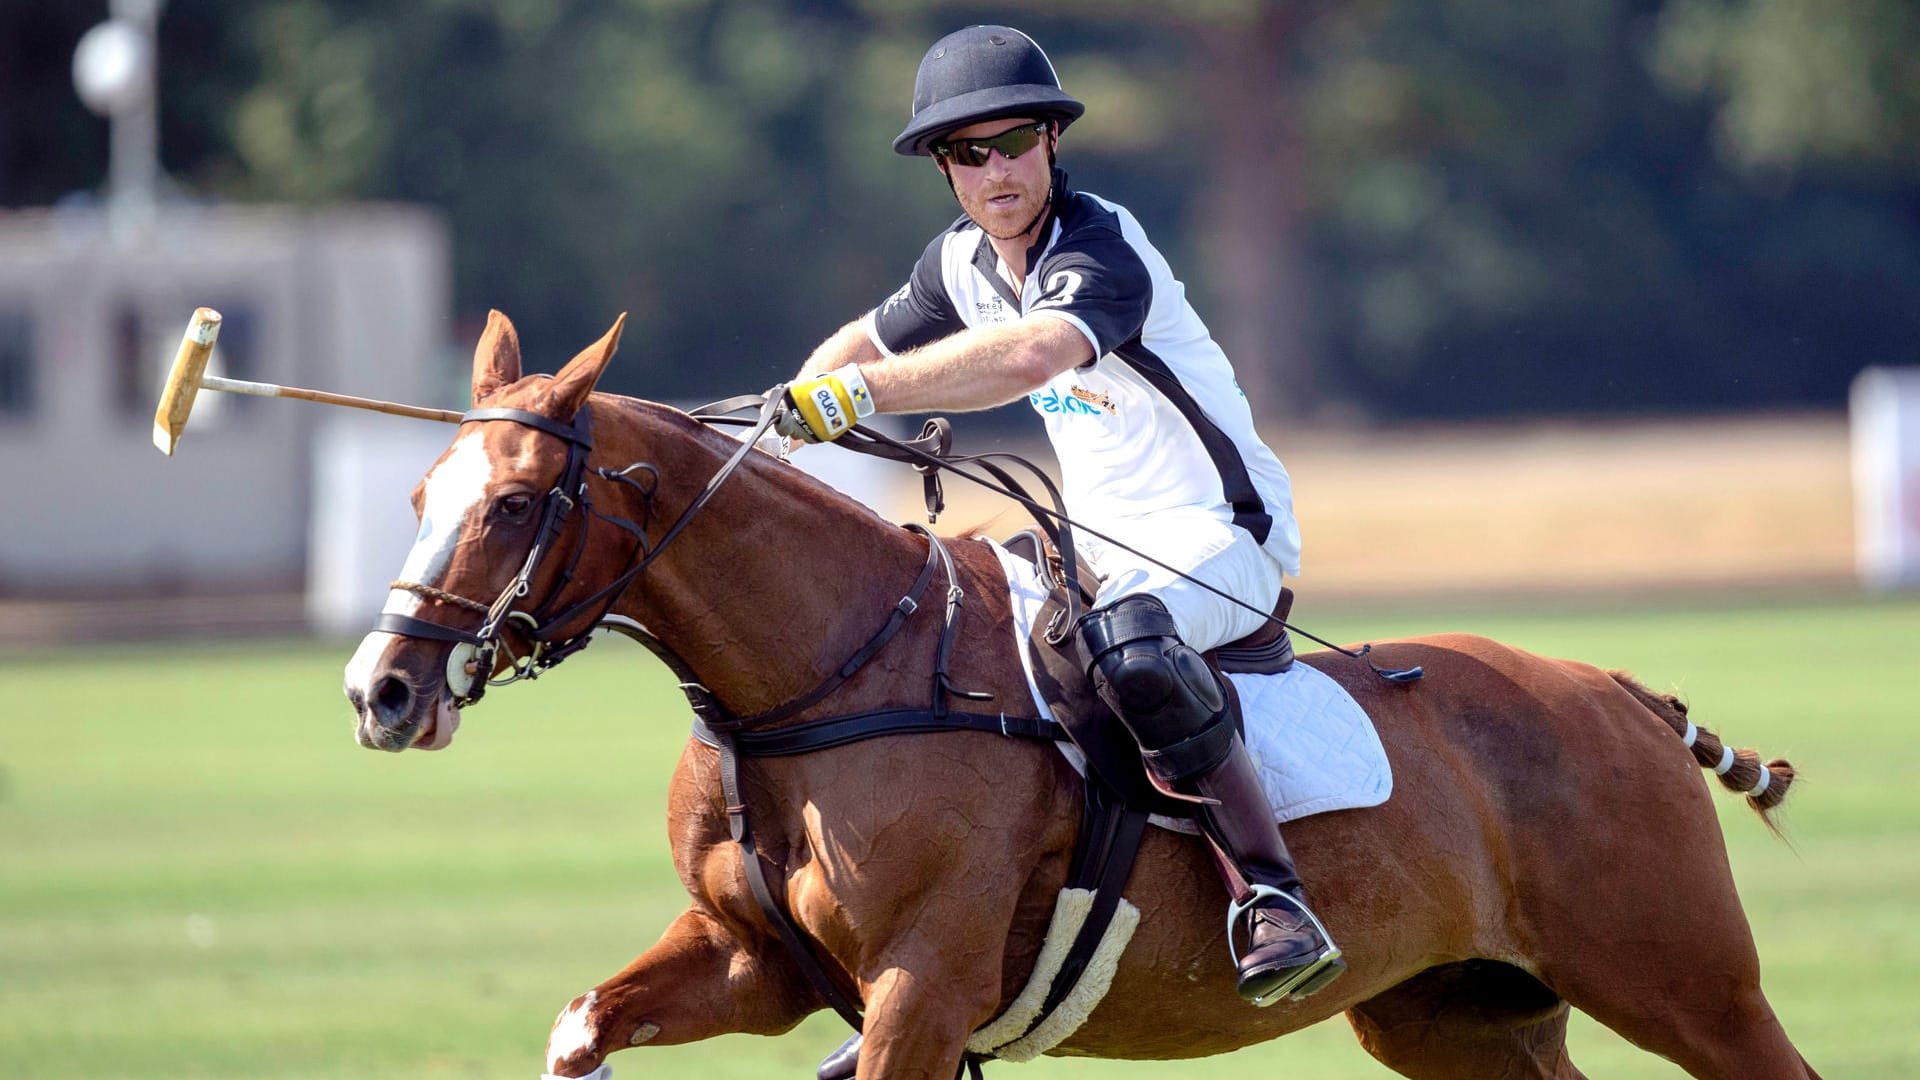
1288,951
1177,711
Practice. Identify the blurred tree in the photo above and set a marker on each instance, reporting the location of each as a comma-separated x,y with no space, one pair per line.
1254,204
1444,208
658,156
1801,82
1514,215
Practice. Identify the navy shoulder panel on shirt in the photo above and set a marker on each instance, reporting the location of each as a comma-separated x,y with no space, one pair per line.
921,312
1095,275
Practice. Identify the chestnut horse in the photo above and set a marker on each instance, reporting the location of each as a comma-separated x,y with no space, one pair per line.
1549,843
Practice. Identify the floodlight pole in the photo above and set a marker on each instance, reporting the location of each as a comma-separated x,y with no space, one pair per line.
135,147
115,69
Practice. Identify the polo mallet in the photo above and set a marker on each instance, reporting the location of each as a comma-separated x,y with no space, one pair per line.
189,375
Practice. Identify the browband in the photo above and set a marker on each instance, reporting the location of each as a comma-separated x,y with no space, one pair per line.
570,432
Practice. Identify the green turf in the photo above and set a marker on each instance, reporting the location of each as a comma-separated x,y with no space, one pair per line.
202,876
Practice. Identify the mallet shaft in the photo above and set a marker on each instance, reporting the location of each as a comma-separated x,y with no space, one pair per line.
189,375
260,389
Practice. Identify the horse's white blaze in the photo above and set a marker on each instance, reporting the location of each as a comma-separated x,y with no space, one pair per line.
454,489
573,1031
366,660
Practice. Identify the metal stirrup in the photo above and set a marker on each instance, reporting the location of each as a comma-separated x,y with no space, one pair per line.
1257,893
1236,908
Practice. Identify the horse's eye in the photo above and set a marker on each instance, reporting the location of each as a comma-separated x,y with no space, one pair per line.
515,505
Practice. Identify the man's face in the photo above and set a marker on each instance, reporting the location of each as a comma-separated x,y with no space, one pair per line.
1002,196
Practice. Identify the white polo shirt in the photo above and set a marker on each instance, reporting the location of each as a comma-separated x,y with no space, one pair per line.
1156,421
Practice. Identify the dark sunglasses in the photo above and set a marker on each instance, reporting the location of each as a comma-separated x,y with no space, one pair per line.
1011,143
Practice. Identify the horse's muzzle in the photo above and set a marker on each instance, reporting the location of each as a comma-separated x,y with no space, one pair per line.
388,713
394,708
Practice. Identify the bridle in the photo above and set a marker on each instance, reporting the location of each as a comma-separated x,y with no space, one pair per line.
470,664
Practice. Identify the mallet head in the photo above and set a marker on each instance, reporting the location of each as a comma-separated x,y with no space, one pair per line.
183,381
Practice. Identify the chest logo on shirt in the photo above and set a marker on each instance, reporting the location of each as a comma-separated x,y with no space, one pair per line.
992,309
1104,402
1080,402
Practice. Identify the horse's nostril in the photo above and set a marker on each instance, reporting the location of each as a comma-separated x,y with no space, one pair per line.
391,695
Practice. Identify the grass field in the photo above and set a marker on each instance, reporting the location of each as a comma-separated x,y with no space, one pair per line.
202,876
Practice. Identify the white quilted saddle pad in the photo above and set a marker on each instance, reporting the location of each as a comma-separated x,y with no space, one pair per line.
1313,745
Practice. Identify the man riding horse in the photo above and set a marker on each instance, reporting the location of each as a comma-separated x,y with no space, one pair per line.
1052,293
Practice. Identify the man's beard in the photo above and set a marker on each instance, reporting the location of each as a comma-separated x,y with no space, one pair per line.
1010,222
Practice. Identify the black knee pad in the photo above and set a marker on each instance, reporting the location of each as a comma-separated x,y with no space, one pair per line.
1160,687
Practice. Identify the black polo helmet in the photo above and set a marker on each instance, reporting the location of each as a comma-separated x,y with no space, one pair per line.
982,73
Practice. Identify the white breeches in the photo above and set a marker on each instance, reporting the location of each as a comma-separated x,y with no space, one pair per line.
1223,555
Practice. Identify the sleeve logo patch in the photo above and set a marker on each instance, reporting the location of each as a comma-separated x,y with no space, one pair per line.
1063,288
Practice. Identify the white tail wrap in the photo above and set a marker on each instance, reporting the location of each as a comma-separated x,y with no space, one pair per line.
1692,736
1760,785
1726,761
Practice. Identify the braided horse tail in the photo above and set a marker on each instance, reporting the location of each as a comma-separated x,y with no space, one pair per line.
1765,786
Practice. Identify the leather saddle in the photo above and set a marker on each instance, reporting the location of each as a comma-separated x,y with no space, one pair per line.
1060,674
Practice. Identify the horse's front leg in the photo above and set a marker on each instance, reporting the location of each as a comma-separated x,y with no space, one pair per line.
920,1011
696,982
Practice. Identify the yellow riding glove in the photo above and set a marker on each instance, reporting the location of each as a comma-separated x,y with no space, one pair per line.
823,407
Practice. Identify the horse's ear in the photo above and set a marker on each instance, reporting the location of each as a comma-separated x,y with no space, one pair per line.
496,360
575,381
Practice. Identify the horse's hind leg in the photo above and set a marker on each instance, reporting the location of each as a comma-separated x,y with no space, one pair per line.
1712,1031
1475,1020
1642,928
1672,967
1664,956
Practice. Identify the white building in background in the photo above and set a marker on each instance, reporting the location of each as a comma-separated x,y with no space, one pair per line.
263,495
1885,414
350,298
